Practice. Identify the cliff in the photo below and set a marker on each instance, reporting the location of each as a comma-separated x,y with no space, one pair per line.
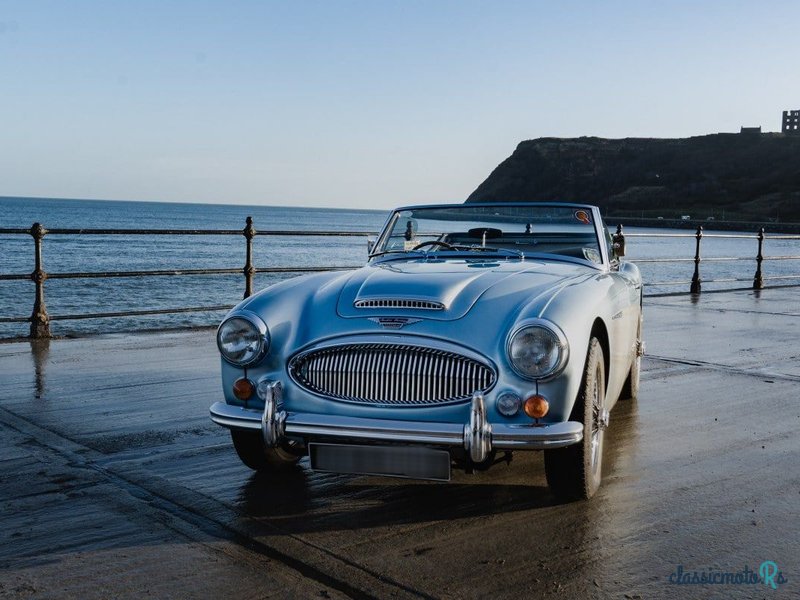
725,176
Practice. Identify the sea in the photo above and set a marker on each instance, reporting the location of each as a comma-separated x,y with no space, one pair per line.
103,253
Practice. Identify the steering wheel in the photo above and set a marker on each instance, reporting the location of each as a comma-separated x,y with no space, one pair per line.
444,245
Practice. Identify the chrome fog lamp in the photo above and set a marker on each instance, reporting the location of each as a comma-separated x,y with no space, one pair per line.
243,340
508,404
538,350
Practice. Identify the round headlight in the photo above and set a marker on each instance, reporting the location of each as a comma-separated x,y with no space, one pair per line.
537,351
242,341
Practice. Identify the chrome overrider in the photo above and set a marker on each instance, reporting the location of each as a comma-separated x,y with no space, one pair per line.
478,437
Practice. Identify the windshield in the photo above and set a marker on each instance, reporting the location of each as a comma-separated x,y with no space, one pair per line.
510,230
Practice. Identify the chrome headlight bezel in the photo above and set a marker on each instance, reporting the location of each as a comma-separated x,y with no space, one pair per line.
559,342
260,336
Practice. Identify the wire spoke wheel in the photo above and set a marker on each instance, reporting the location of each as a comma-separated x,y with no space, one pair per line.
596,427
574,472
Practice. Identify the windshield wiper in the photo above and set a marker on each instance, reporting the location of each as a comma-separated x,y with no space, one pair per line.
415,252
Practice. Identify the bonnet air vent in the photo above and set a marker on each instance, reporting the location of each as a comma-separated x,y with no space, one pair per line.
399,303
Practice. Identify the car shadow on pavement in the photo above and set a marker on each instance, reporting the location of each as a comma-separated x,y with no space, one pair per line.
303,501
300,503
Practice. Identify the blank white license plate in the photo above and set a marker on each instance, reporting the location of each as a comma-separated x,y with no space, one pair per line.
411,462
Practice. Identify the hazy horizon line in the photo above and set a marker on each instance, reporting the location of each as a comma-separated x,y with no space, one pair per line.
195,202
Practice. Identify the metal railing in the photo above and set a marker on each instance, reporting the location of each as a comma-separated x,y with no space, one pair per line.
40,319
696,282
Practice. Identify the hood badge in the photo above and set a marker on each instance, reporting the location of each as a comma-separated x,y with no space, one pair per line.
393,322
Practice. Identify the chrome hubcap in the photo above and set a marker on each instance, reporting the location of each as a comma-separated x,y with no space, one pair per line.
600,418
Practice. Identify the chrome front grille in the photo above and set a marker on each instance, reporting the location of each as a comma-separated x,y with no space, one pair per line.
399,375
399,303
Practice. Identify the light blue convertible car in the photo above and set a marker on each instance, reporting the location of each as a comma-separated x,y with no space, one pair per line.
473,331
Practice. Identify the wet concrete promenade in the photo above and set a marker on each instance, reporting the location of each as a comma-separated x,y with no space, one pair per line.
115,484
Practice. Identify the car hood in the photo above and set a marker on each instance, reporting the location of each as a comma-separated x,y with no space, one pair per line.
447,289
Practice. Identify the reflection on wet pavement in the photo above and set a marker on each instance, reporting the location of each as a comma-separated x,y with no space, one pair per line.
110,465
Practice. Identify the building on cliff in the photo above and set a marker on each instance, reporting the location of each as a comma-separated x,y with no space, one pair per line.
750,130
791,122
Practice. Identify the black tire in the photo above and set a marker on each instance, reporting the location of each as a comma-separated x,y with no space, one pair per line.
574,472
253,453
630,389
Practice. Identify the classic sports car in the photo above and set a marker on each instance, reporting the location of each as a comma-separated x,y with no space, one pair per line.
474,331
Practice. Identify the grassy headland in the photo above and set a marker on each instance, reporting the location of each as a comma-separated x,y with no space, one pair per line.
723,177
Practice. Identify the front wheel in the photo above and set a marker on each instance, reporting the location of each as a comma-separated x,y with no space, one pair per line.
254,453
574,472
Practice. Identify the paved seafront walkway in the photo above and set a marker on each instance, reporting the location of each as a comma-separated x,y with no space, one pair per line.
114,483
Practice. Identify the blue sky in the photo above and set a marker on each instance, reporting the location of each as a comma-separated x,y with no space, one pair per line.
362,103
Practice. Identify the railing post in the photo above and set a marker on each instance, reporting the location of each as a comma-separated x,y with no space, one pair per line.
758,280
249,270
40,320
696,281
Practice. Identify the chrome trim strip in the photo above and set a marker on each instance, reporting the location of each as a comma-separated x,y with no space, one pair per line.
536,437
317,426
235,417
332,426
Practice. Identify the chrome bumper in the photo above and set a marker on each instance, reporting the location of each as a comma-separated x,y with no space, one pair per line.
478,436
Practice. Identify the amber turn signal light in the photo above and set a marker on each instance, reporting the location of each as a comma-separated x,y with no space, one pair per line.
243,389
536,406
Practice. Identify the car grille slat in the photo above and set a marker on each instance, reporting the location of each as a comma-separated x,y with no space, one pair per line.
391,374
363,381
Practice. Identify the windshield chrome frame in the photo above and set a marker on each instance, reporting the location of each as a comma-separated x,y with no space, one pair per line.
597,222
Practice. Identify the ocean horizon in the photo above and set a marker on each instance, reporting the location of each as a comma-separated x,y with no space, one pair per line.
86,253
103,253
17,211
